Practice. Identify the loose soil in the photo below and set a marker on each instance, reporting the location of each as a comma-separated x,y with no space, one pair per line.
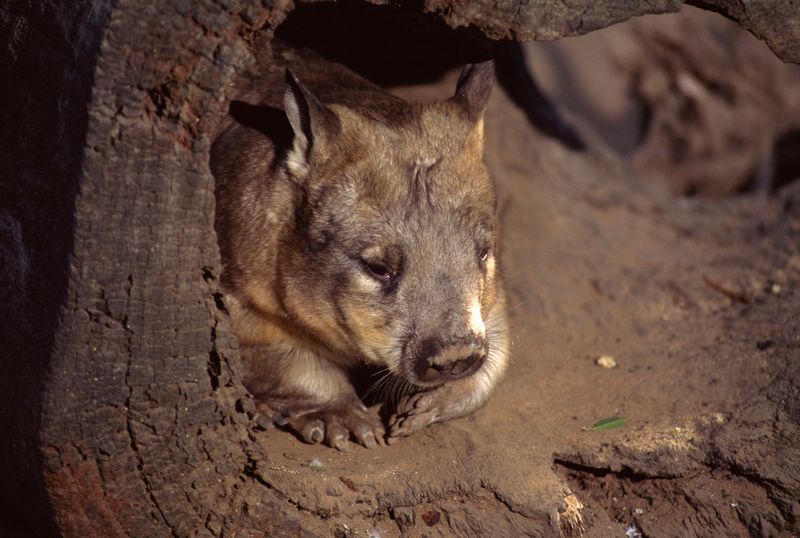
696,298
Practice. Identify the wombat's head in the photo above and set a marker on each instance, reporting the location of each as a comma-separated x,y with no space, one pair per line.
392,253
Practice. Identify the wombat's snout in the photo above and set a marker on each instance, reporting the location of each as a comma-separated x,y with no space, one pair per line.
440,361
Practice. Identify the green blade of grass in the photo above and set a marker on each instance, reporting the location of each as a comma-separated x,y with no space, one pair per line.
606,424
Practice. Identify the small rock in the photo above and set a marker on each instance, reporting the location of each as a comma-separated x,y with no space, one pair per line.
632,531
431,517
761,345
606,361
346,531
775,289
315,464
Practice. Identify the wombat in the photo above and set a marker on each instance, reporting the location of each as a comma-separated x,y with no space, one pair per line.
357,227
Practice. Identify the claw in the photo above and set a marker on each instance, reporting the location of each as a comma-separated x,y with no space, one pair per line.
334,424
369,440
280,419
413,414
310,428
262,422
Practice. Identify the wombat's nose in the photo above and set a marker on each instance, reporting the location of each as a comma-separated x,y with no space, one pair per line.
438,362
461,367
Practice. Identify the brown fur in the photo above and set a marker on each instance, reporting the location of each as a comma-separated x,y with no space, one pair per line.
355,234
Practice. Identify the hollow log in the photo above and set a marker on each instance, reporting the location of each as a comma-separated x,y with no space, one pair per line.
125,411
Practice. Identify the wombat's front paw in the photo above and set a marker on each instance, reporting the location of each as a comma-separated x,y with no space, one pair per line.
336,424
423,408
413,414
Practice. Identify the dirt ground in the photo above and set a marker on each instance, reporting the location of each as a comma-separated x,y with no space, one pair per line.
697,298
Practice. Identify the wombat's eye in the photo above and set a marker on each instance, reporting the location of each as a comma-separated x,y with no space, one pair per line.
378,270
483,254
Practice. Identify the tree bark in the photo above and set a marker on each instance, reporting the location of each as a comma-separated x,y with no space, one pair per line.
126,415
130,418
776,22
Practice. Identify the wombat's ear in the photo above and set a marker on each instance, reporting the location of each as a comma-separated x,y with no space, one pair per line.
474,87
314,125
